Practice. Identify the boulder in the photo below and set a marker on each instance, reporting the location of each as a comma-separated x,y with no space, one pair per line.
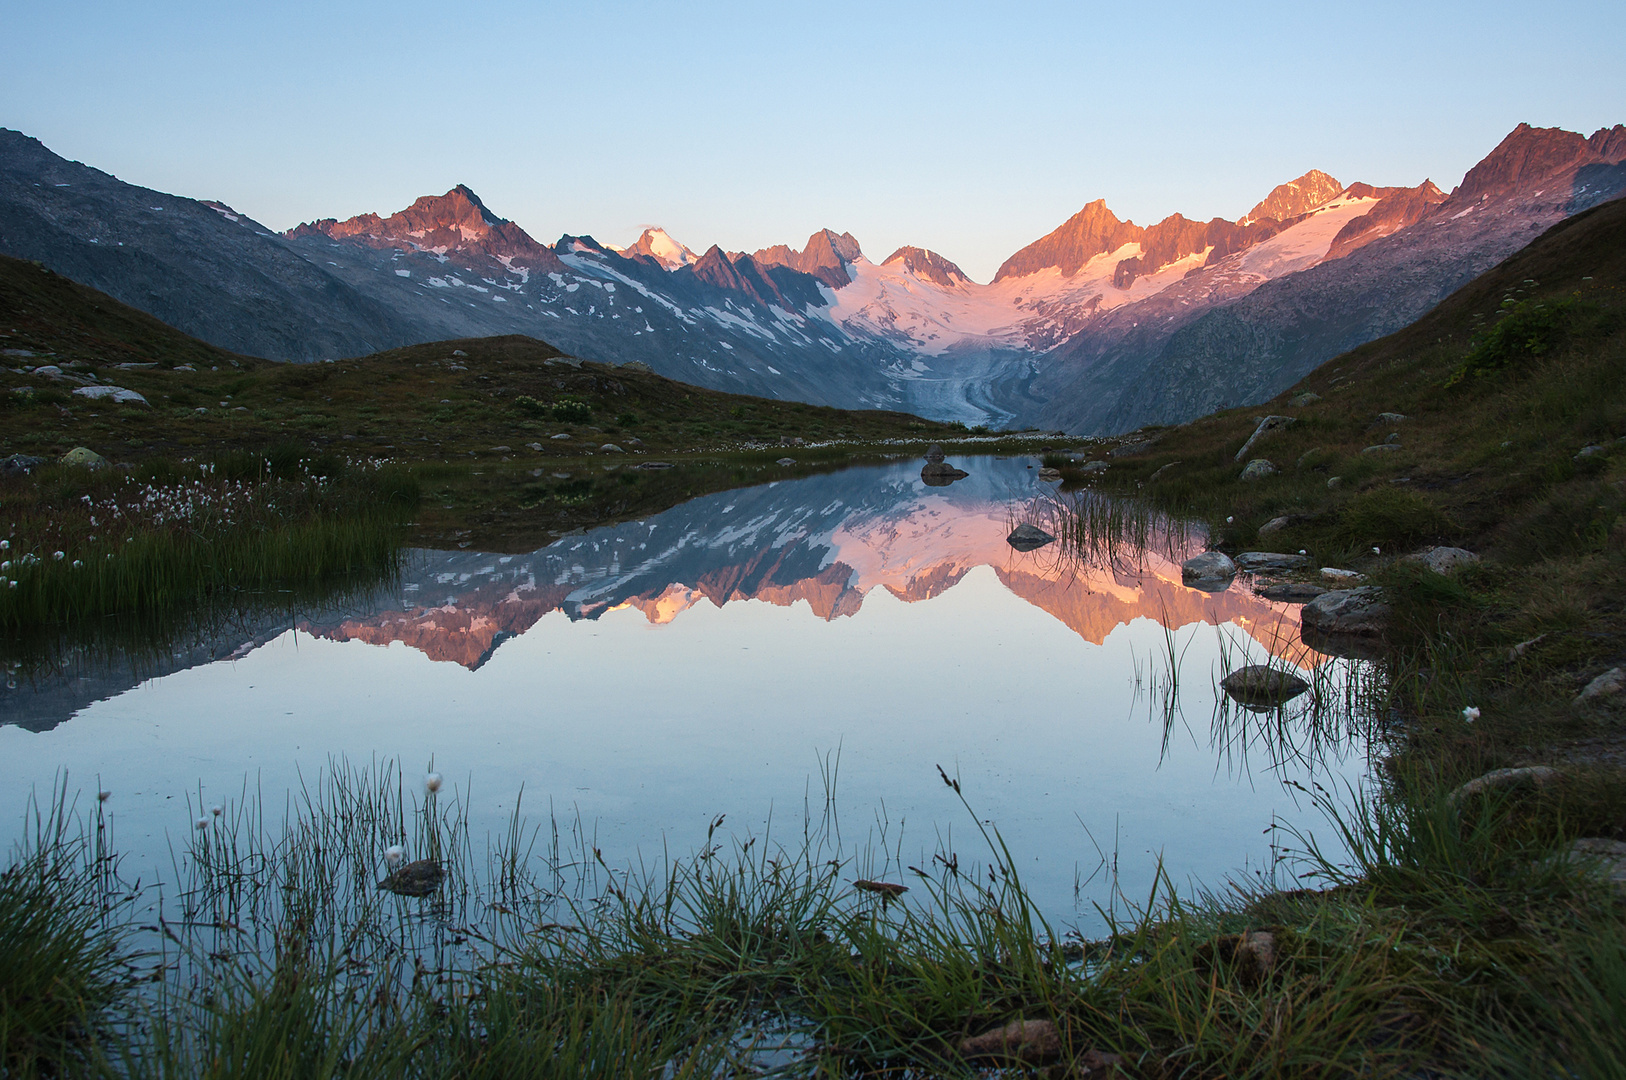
118,394
1389,418
1262,686
88,458
941,474
1275,525
1213,567
934,454
1274,562
19,463
611,448
1444,560
1309,397
1602,692
1266,426
1258,469
1498,779
1341,577
1607,857
1027,537
1358,612
1581,455
1163,470
1290,592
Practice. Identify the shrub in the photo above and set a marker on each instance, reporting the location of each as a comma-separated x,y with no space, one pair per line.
1524,332
571,410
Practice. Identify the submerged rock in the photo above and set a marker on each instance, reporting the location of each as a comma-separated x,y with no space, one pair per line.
1254,562
1029,538
1262,686
1358,612
1211,571
418,878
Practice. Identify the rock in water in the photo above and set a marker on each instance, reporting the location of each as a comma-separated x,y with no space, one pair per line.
1258,469
80,455
1360,612
1029,538
1254,562
1261,686
1290,592
934,454
418,878
1211,571
941,474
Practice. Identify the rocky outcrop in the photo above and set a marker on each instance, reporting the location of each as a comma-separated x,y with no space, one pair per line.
1295,197
825,256
1266,425
1358,612
928,265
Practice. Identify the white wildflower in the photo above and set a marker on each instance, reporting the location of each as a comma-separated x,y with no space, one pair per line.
394,853
432,782
1470,714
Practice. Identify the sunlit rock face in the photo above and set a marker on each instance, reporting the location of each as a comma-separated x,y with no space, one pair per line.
824,541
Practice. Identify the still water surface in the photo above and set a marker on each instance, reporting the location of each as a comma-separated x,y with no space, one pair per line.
735,654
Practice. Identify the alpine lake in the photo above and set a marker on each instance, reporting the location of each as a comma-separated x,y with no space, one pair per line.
857,654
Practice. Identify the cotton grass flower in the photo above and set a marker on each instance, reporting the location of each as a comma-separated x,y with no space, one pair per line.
1470,714
202,823
394,854
1377,551
103,795
432,782
216,809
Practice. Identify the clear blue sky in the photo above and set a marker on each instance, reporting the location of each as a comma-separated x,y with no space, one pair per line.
970,129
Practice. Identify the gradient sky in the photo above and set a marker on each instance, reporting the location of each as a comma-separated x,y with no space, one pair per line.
971,129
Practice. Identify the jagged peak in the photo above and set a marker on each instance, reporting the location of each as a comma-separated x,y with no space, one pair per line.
1315,188
927,264
663,247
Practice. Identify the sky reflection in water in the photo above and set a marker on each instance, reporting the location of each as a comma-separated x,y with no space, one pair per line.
653,675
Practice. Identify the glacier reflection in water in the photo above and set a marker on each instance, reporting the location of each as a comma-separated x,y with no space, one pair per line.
652,675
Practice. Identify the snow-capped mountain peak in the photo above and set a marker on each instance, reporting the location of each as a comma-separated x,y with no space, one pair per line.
661,246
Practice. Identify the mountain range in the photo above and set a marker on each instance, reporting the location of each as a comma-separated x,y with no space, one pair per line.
1101,326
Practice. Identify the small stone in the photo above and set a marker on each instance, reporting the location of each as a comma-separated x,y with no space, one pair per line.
611,448
1394,437
1309,397
1390,417
1381,448
1606,856
1603,691
116,394
1341,577
1262,686
1258,469
1094,468
1516,653
1274,525
1304,458
19,463
1584,453
1497,779
1030,1041
1162,470
561,435
1334,482
1027,537
941,474
786,461
1254,562
1444,560
501,450
534,446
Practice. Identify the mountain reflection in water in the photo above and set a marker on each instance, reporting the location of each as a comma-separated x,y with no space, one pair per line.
825,540
625,679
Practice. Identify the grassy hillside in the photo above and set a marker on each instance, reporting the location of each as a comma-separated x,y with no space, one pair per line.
489,397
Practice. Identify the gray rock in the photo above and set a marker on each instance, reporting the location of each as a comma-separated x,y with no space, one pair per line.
117,393
786,461
1304,458
1334,482
1500,779
19,463
1604,691
1358,612
1266,426
611,448
1309,397
1275,525
1381,448
1515,654
1607,857
561,435
1588,451
1094,468
1390,418
1027,537
934,454
941,474
1341,577
637,365
655,465
1163,470
1210,566
80,455
1254,562
1444,560
1262,686
1394,437
1258,469
534,446
1290,592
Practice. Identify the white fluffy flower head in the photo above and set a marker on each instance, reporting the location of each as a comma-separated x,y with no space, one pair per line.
431,783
